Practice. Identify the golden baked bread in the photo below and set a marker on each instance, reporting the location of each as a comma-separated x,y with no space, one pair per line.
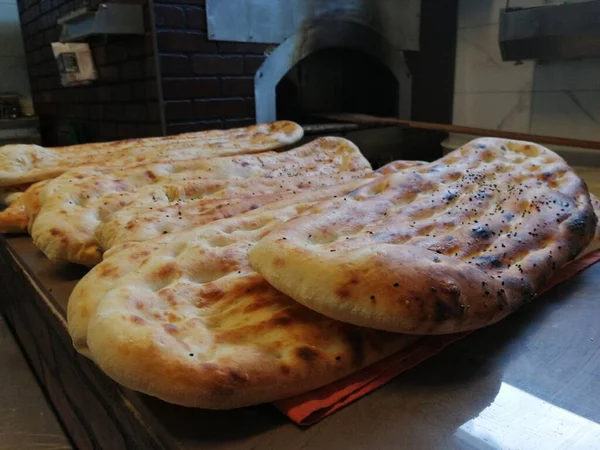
450,246
145,218
14,218
10,194
93,287
28,163
595,243
255,133
74,204
184,318
180,207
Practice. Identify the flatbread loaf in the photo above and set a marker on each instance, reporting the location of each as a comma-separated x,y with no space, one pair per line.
451,246
14,218
94,286
74,204
184,318
143,220
595,244
181,207
28,163
209,136
10,194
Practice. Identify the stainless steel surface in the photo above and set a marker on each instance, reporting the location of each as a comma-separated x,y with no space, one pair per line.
26,419
273,21
559,31
108,19
19,123
20,131
320,35
529,382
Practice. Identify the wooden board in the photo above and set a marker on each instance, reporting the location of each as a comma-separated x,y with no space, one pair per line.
549,349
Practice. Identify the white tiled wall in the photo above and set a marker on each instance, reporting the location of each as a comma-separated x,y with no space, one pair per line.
13,68
559,98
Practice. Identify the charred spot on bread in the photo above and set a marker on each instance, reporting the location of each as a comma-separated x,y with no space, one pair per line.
489,261
446,308
481,232
307,354
582,223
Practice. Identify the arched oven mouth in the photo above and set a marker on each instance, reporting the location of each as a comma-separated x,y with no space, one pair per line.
336,80
332,66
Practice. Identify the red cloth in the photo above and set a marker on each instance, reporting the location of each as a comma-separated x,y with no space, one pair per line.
313,406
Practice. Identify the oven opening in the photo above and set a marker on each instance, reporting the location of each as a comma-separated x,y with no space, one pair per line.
336,80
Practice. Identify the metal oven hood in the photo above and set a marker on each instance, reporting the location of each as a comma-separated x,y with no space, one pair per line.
107,19
273,21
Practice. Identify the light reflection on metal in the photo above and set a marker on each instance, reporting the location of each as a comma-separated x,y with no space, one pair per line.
519,420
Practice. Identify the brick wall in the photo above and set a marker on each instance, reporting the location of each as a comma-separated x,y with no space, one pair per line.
122,103
206,84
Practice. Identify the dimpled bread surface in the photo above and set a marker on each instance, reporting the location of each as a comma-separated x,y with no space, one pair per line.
88,292
187,206
451,246
183,317
74,204
15,218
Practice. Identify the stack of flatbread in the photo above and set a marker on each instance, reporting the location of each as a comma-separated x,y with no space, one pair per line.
22,165
230,281
308,289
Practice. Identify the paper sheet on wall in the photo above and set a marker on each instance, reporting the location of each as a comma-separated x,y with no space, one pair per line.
75,63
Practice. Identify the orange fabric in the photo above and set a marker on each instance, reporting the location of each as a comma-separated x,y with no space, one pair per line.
313,406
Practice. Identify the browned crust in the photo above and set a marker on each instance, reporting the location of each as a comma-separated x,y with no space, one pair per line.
125,258
184,318
450,246
15,218
27,164
137,222
595,243
73,205
10,194
298,351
